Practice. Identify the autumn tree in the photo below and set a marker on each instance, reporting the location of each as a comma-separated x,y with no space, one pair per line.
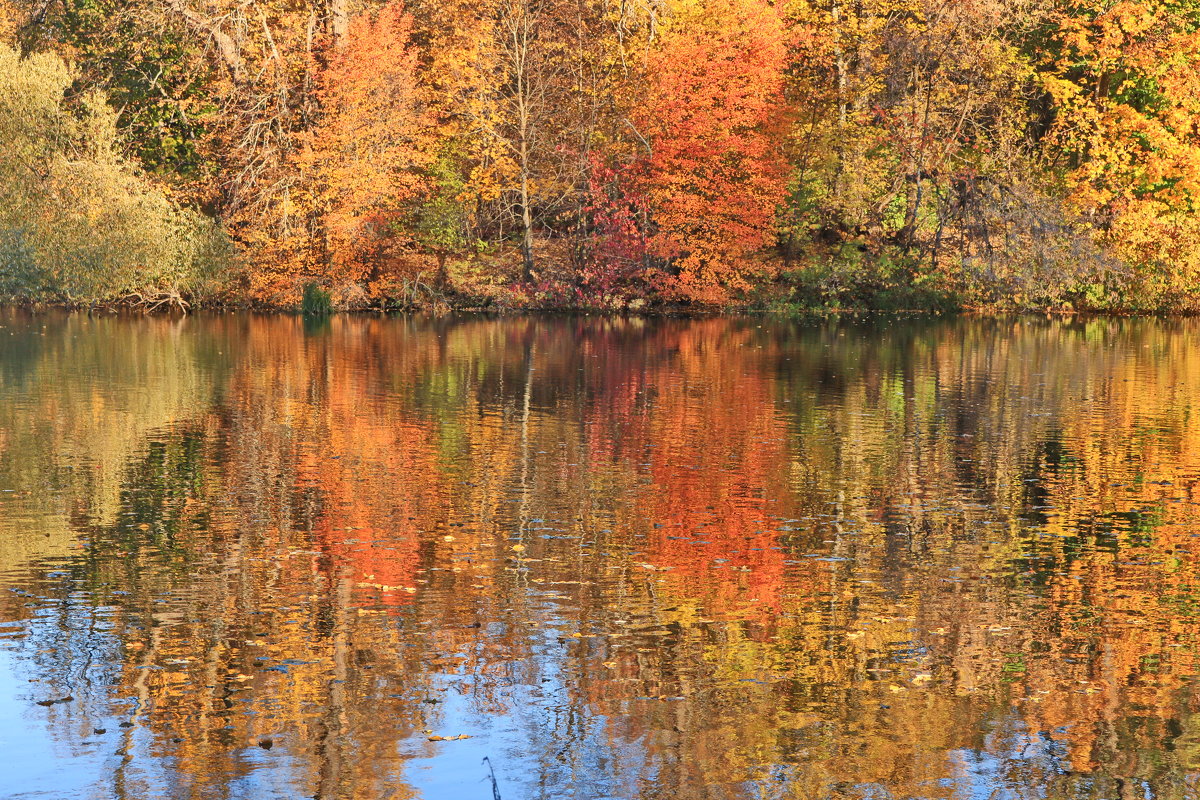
613,269
529,90
714,121
366,157
915,154
78,222
495,73
1124,81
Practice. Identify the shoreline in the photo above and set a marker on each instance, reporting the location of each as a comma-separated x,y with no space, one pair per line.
651,312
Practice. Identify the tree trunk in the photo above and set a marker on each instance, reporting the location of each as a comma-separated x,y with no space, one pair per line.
527,229
521,35
339,20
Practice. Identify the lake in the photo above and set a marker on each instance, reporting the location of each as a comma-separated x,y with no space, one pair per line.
520,558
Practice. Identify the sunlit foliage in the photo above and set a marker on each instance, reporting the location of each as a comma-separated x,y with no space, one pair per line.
78,223
884,153
360,169
1125,81
715,121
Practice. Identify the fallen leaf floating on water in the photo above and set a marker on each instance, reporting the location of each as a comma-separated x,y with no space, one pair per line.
384,587
518,548
448,738
66,699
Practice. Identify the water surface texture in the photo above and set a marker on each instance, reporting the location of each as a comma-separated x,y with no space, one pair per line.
718,559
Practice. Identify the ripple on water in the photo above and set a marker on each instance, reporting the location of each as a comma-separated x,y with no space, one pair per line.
599,558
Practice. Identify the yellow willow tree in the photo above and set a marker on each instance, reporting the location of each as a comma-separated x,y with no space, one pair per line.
79,223
715,121
1125,81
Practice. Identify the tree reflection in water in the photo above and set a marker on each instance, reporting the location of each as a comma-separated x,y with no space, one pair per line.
718,558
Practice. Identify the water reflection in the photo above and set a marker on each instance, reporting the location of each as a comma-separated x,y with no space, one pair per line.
722,558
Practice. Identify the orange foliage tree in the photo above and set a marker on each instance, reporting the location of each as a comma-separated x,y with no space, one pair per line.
715,121
366,158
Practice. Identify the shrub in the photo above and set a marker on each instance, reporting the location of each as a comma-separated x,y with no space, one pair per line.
78,223
317,302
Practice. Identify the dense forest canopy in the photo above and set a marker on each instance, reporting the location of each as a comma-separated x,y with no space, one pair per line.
602,153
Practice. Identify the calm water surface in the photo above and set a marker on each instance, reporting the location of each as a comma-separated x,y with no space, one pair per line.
729,559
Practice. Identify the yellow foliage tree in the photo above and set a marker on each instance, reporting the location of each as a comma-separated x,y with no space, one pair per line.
1125,81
